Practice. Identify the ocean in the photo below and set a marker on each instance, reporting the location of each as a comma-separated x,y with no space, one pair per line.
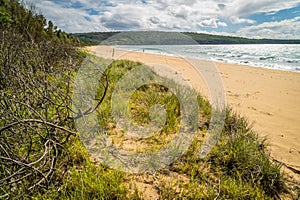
273,56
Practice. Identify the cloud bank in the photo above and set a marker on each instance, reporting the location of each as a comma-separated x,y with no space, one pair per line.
235,17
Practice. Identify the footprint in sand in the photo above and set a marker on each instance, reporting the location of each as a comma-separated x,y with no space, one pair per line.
260,111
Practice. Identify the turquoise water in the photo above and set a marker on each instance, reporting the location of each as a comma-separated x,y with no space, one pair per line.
274,56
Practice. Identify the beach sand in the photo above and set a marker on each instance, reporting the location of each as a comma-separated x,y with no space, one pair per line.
270,99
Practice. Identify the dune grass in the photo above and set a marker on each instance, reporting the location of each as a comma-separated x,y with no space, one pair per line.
237,168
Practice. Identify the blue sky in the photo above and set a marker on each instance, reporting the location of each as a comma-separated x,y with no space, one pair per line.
255,19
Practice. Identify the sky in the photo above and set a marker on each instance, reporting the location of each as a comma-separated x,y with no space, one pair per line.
276,19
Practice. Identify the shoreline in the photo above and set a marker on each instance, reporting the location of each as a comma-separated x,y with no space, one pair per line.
268,98
212,59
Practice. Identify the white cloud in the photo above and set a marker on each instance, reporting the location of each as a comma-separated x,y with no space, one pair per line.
69,19
237,20
211,23
208,23
128,14
181,12
242,8
222,24
285,29
183,15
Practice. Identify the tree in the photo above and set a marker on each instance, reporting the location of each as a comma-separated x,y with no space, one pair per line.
50,29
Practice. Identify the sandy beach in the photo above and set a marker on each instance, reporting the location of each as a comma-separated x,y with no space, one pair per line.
270,99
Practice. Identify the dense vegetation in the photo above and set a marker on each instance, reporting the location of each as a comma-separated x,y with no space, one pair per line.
95,38
28,22
36,67
42,157
217,39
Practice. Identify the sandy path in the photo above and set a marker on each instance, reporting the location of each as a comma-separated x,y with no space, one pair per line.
268,98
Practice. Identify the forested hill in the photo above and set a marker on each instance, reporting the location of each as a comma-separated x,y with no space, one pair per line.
202,38
94,38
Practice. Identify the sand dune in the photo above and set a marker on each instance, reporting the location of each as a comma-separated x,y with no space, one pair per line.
268,98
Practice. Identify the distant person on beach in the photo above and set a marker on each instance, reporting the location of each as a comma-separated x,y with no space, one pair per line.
113,52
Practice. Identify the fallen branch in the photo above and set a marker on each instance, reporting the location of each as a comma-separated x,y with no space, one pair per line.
290,167
37,121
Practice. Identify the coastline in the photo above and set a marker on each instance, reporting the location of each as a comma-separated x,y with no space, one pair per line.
268,98
247,55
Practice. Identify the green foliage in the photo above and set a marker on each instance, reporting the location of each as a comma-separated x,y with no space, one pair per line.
241,155
35,97
94,181
5,18
41,156
95,38
202,38
24,19
114,72
36,75
87,180
237,168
